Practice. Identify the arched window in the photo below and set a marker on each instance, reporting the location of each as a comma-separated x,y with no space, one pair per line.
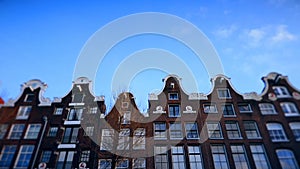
287,159
276,132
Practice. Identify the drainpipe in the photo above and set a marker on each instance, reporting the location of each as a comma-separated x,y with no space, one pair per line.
40,141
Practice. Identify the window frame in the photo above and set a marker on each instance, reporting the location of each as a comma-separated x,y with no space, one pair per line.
218,154
276,132
281,91
290,158
175,130
178,157
105,160
173,94
36,131
224,108
70,137
107,137
172,110
236,151
85,155
161,153
210,107
248,105
51,131
267,109
225,91
247,130
210,132
260,152
93,110
58,111
22,162
140,165
187,132
46,156
289,109
126,117
75,114
3,130
11,132
197,155
29,96
295,127
23,112
162,131
139,139
7,153
124,139
231,132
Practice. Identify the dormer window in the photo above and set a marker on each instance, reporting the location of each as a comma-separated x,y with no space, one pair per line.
23,112
29,97
78,98
173,96
281,91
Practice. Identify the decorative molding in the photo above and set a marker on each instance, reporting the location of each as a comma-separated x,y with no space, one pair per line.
296,95
197,96
66,146
251,96
57,100
272,96
159,109
189,109
152,96
99,98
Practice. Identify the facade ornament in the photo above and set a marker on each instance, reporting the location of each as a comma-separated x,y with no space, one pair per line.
197,96
159,109
189,109
272,96
296,95
152,96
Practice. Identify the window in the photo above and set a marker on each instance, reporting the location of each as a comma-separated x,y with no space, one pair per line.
24,156
289,109
195,157
259,156
124,139
232,129
33,131
295,126
239,157
126,117
161,157
107,139
85,156
281,91
46,155
191,130
125,105
244,108
214,130
175,130
70,135
65,159
7,155
123,163
16,131
77,98
89,131
219,156
58,111
104,164
178,157
173,96
139,163
174,110
210,108
267,108
287,159
23,112
276,132
3,129
93,110
139,139
228,110
52,131
75,114
251,129
160,130
223,94
29,97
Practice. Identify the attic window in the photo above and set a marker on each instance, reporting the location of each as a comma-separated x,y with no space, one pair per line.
77,98
29,97
173,96
281,91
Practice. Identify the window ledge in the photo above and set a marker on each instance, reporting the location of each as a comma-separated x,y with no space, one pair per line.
66,146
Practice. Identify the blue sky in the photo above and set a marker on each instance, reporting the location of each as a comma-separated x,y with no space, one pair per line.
42,40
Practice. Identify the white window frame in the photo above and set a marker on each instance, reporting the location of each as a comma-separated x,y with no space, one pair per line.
120,161
139,163
74,95
9,152
220,154
295,127
223,90
58,111
89,131
174,106
75,114
173,128
210,108
28,96
248,109
124,139
161,153
281,91
178,157
238,152
285,155
24,150
213,127
3,130
52,130
233,128
289,109
107,139
276,130
258,151
224,107
126,117
33,129
267,109
195,157
162,133
173,98
23,112
105,160
187,131
18,131
93,110
251,129
139,139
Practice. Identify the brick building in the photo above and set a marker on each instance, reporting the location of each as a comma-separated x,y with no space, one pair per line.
221,129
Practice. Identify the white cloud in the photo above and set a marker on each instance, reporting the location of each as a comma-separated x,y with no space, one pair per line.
225,32
282,34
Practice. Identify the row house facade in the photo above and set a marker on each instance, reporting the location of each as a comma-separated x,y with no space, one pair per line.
219,130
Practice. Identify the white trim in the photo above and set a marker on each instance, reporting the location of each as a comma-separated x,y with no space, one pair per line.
66,146
72,122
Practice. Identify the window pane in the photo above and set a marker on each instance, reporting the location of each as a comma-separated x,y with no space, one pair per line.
219,156
259,156
7,155
16,131
160,130
276,132
214,130
195,157
251,129
24,156
239,157
287,159
191,130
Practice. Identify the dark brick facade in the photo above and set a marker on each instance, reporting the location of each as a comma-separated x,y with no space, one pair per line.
179,130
